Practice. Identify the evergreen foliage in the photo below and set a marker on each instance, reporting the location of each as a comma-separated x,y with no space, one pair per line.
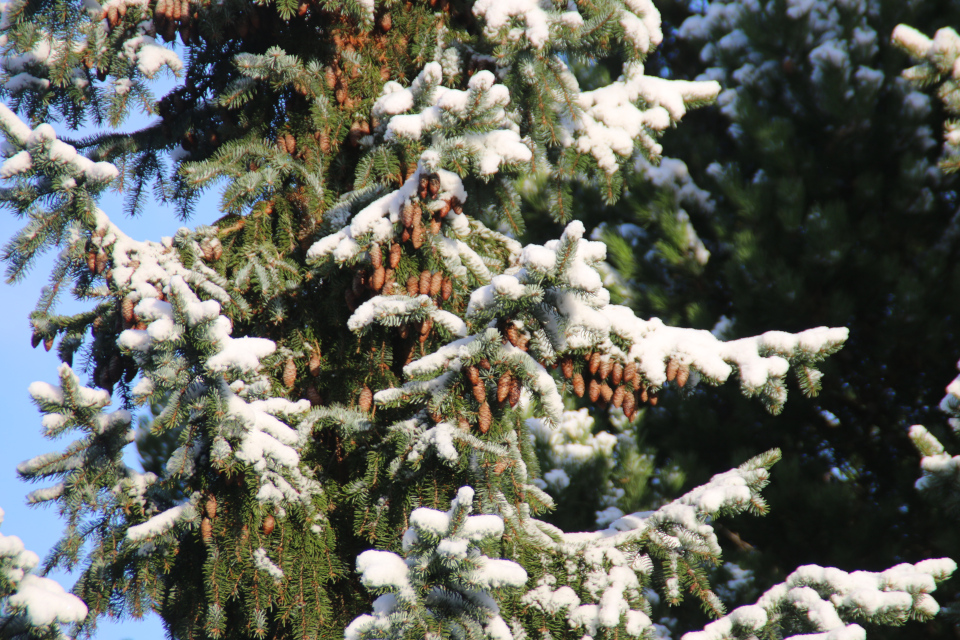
361,343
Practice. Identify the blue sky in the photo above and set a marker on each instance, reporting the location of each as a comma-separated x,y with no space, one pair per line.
20,431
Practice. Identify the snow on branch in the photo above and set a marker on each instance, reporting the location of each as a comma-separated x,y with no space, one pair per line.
826,600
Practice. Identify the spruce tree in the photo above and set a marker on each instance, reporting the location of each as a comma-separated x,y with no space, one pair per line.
355,357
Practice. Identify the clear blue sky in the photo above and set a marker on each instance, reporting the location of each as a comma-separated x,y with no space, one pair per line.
20,431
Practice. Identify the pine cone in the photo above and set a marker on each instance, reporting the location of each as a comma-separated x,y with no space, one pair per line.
515,391
683,375
644,396
126,309
314,364
435,226
436,282
48,343
446,289
616,374
314,396
211,507
618,396
366,398
578,386
325,146
630,372
413,286
606,366
485,364
395,252
653,399
35,339
379,275
268,524
606,392
594,362
504,385
629,404
425,328
480,392
566,366
389,282
594,390
291,144
206,529
92,261
485,417
376,256
513,334
425,278
385,22
473,375
418,236
673,366
289,373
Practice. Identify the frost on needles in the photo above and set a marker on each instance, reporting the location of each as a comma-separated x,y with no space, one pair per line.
352,365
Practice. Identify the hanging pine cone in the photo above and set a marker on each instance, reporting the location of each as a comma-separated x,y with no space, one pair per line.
513,334
359,283
425,279
485,364
594,362
618,396
48,343
413,286
313,364
206,529
95,327
594,391
313,396
578,386
630,372
504,385
366,398
480,392
653,399
126,310
324,141
436,282
395,252
35,339
629,404
683,375
446,289
376,256
644,396
101,262
566,366
515,391
616,374
379,275
268,524
605,368
389,282
425,328
485,417
673,366
417,236
211,507
385,22
473,375
606,392
289,375
435,226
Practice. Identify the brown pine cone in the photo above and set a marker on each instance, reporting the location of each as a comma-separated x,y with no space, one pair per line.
594,362
644,396
314,364
578,386
473,375
314,396
425,328
379,275
376,255
406,216
480,392
436,282
630,372
385,22
366,398
126,310
606,392
425,278
413,286
594,390
683,375
484,364
206,529
605,368
485,417
101,262
618,396
289,373
211,507
389,282
566,366
513,334
629,404
268,524
48,344
446,289
653,399
504,385
616,374
673,366
395,252
418,236
515,391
